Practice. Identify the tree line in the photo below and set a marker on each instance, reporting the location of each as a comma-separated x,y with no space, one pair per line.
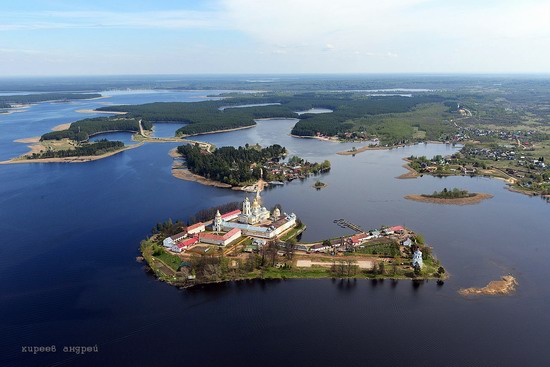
42,97
83,129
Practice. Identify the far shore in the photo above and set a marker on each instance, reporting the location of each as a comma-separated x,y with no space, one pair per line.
80,159
476,198
380,147
95,111
217,131
322,138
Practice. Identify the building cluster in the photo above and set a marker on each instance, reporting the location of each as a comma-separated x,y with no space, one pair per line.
359,240
524,137
288,171
253,221
503,152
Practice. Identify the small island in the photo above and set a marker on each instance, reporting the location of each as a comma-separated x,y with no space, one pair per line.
318,185
249,168
453,197
239,241
505,286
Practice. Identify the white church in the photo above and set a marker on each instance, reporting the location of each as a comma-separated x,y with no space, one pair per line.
255,220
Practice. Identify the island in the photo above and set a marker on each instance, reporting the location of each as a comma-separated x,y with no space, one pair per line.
507,285
318,185
453,196
239,241
245,167
18,102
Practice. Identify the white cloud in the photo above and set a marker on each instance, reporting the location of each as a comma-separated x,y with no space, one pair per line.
314,36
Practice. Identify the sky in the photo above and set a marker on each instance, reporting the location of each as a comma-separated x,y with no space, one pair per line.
105,37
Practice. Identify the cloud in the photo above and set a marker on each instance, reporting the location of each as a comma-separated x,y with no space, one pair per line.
310,36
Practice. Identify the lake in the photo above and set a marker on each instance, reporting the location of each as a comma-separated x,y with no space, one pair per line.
71,234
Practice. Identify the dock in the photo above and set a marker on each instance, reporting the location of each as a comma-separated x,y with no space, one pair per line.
347,224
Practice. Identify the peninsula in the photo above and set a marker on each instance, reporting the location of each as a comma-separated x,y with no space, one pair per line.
524,169
247,241
243,166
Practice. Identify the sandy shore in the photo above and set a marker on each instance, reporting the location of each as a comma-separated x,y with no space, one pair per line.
332,140
34,139
182,173
179,171
185,174
61,127
367,147
81,159
460,201
496,287
94,111
411,174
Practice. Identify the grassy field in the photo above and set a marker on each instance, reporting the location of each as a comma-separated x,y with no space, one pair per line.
428,121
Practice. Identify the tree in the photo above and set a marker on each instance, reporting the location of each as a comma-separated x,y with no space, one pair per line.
417,270
289,248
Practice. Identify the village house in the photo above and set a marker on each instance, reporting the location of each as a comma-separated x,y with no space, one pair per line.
319,247
172,240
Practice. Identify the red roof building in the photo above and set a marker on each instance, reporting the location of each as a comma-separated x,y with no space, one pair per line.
231,215
196,228
397,228
188,242
221,240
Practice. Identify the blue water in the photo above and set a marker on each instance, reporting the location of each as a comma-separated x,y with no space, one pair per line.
71,233
123,136
165,129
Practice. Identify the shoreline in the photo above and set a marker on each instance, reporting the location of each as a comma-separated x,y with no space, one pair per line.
182,173
408,175
487,174
102,112
217,131
80,159
477,198
62,127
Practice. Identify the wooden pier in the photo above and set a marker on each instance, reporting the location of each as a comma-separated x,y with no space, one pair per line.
347,224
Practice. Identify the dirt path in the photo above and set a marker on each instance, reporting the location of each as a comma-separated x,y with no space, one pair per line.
305,263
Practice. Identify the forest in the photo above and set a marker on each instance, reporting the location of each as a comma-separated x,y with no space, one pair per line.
83,129
339,121
88,149
201,117
207,116
229,164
